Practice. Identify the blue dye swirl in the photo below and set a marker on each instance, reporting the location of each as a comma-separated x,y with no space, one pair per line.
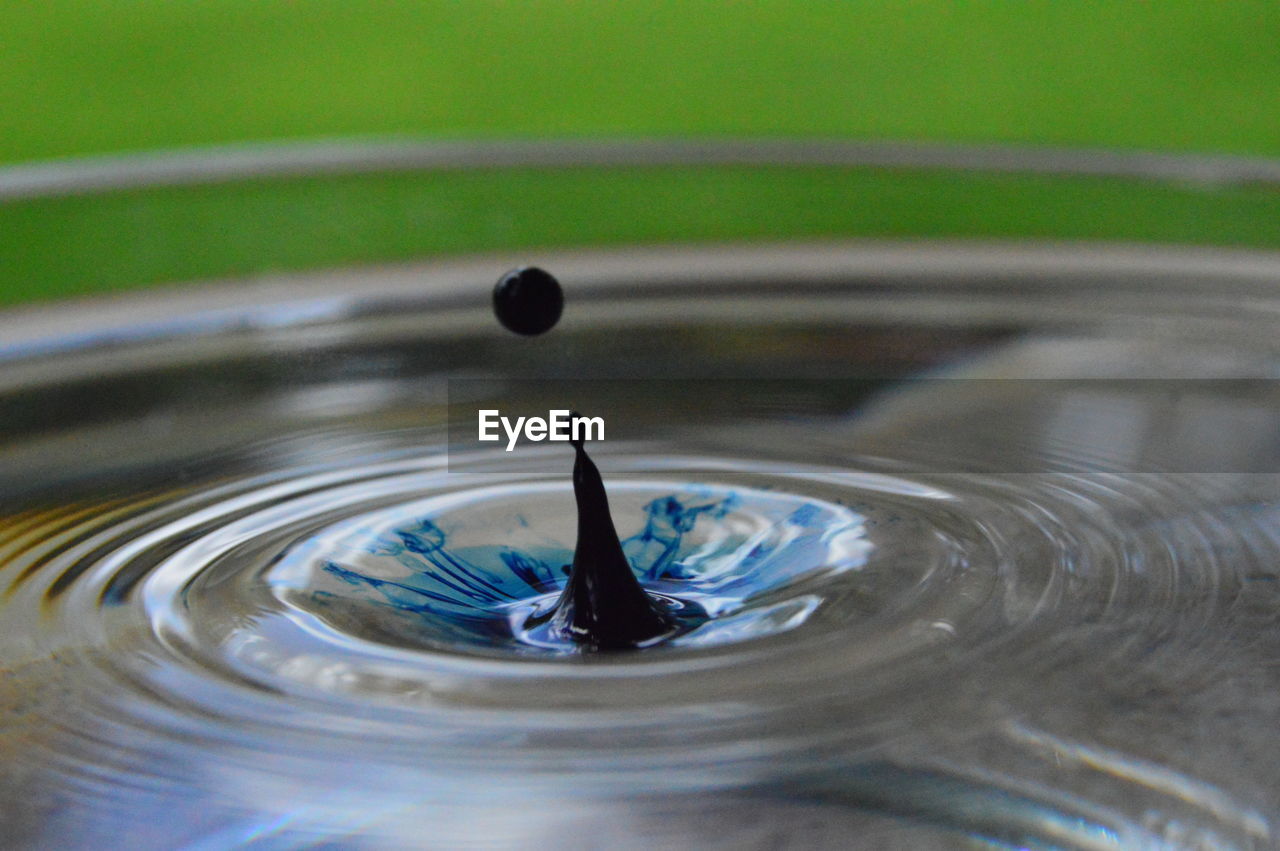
723,562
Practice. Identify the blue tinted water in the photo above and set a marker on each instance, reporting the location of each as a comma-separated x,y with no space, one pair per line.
720,560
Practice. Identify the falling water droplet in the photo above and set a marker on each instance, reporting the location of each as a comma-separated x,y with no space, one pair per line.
528,301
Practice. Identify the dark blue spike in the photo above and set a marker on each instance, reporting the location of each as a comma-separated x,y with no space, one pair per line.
603,607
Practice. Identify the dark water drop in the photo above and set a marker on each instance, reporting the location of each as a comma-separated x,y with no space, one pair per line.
603,606
528,301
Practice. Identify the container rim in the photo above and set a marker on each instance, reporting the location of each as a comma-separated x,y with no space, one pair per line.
98,174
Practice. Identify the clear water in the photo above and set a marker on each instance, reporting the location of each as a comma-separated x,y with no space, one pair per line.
247,596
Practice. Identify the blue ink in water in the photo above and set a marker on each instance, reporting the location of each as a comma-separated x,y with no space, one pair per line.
657,546
716,564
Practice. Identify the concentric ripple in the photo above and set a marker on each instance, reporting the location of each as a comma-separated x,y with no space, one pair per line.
932,613
363,614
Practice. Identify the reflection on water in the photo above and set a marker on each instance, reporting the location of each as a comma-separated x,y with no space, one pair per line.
251,599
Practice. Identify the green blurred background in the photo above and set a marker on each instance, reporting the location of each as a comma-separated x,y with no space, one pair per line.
88,77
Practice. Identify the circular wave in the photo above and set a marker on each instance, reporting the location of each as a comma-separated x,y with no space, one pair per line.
242,603
258,630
